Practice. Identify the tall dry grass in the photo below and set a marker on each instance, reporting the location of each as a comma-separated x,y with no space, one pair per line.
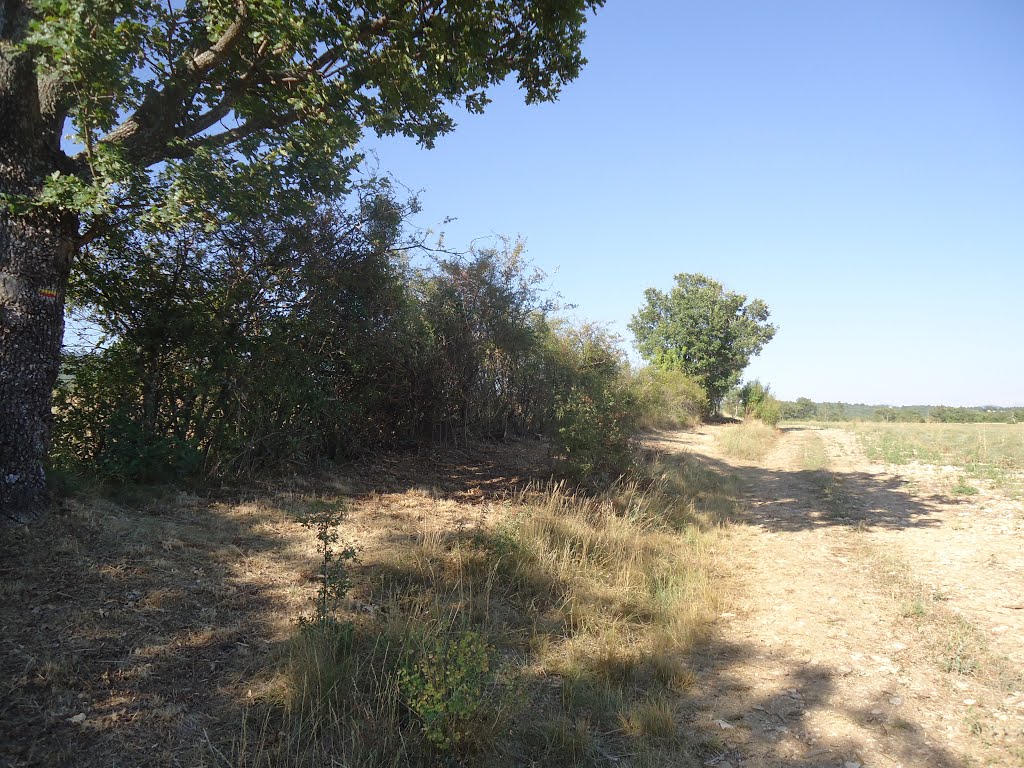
750,440
560,632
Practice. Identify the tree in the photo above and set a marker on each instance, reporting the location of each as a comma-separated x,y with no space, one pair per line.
703,330
885,413
242,102
804,408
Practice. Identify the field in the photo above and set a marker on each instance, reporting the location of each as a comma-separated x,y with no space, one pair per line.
992,452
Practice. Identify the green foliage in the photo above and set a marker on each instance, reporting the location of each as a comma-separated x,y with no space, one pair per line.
485,329
670,399
701,329
597,405
803,409
97,430
832,412
963,488
446,684
277,339
757,402
244,104
298,339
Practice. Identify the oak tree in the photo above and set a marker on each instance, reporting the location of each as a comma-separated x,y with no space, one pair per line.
175,106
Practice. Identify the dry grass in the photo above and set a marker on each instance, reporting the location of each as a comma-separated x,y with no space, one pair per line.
814,456
492,620
751,440
589,608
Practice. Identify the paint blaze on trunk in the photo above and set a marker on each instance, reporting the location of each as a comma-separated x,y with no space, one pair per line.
35,257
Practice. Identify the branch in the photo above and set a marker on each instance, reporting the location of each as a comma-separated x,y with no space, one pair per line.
212,56
232,135
147,131
226,104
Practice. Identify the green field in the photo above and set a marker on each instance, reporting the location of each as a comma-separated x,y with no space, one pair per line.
989,451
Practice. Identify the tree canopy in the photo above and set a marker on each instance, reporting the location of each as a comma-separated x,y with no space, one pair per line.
240,99
703,330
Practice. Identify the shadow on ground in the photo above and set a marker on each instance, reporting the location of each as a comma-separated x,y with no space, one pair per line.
769,731
797,500
128,634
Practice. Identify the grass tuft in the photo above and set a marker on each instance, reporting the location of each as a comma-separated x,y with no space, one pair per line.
751,441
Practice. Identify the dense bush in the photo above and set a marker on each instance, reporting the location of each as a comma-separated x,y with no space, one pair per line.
670,399
597,407
757,402
291,340
261,341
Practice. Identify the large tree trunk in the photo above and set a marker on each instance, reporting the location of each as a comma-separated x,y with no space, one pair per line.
36,249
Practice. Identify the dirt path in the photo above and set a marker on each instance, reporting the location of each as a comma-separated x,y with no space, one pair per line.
877,623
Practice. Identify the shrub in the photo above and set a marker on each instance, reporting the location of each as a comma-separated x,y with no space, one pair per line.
670,399
596,405
758,402
446,684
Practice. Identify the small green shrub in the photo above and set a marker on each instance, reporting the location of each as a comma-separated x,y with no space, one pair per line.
758,403
962,488
323,518
446,684
593,432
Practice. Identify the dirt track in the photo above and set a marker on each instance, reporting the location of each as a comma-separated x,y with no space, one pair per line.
878,622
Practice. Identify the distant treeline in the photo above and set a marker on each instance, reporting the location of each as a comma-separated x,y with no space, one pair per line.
806,409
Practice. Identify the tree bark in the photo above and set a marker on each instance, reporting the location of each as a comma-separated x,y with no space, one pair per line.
36,249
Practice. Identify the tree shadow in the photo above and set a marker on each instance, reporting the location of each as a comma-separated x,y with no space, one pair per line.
131,635
157,622
478,471
774,728
807,499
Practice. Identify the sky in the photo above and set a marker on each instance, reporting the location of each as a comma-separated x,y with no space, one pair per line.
857,164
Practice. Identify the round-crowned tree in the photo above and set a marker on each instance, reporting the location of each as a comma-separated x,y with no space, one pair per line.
703,330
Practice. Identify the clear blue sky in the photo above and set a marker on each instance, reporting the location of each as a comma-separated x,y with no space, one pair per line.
858,164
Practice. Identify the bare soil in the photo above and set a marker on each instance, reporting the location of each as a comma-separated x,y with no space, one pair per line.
880,619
